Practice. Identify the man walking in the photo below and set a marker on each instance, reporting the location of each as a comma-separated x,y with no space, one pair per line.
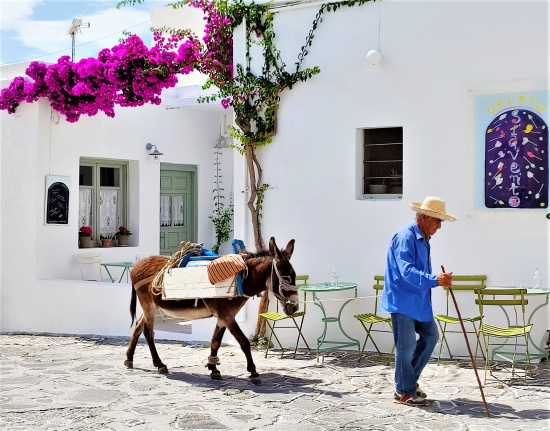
407,296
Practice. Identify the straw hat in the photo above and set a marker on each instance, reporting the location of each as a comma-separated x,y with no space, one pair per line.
433,206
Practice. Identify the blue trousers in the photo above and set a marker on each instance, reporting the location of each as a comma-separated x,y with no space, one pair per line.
411,355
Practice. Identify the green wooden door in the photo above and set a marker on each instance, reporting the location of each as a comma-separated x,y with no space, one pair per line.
177,208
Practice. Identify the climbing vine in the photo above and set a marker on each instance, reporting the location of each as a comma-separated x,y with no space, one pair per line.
131,74
222,214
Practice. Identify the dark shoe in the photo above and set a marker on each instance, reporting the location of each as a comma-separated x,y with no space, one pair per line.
409,400
420,393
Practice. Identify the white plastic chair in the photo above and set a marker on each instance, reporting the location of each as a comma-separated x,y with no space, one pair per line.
90,267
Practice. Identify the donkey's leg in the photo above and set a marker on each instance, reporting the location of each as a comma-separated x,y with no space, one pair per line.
215,344
236,331
138,329
150,337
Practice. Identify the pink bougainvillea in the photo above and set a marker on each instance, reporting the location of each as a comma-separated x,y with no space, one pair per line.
130,73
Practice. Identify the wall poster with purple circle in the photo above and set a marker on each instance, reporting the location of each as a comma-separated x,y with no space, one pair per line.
515,143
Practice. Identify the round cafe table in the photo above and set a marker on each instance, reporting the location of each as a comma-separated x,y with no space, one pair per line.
315,289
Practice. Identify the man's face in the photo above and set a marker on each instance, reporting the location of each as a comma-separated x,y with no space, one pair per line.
428,225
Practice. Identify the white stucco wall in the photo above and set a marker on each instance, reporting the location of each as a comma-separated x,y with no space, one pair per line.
34,146
436,55
41,290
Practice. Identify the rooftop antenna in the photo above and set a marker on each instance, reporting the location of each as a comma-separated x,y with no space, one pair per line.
75,27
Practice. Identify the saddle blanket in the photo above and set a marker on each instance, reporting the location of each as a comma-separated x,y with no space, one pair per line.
193,282
224,267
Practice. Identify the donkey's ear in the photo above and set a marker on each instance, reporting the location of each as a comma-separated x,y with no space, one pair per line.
273,249
289,249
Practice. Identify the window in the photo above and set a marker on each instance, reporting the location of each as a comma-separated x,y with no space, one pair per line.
382,163
103,196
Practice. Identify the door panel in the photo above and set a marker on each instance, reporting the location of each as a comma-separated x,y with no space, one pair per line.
177,209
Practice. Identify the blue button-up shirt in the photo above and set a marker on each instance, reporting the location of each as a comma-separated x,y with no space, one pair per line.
408,278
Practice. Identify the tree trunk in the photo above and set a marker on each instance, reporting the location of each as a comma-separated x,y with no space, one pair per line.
262,308
255,177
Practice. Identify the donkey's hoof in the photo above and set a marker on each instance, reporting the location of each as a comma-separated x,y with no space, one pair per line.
216,375
163,369
129,364
256,380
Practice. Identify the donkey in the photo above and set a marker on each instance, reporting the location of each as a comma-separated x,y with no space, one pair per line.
265,270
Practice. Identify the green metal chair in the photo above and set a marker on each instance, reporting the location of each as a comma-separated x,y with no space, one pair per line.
513,302
450,319
274,317
373,318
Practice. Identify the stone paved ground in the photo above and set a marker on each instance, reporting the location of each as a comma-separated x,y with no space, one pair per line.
80,383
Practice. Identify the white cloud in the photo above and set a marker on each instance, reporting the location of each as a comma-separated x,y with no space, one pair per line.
16,11
44,37
111,22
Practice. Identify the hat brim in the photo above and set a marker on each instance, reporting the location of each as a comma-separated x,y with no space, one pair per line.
442,216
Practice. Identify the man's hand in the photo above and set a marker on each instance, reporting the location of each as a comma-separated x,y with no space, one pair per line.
445,279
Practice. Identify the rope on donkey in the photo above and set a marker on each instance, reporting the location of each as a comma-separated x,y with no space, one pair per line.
213,360
174,261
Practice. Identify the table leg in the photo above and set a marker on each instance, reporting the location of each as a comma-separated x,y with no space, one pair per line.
109,273
340,321
122,275
542,352
321,340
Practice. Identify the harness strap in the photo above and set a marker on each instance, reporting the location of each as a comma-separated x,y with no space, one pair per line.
283,284
144,281
205,304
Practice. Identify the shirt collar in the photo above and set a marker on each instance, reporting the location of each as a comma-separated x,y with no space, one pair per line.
417,232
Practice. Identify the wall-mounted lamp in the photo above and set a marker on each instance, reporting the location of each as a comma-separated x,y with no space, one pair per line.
374,57
155,153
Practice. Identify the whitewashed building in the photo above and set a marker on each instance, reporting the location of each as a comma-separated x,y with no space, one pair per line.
446,69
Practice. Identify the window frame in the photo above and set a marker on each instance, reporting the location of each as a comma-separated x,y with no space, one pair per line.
97,164
366,154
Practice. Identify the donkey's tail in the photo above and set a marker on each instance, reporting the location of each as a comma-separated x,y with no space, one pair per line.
133,301
133,305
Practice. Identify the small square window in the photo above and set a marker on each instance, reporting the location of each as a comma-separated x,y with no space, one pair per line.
381,152
109,177
86,176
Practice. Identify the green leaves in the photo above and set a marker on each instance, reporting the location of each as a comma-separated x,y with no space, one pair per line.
222,226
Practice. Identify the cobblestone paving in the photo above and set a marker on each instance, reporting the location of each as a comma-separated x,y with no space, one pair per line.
80,383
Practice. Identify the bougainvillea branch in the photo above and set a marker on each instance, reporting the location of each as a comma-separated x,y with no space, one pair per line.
131,74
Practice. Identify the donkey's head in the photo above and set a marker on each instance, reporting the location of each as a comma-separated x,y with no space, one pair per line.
283,278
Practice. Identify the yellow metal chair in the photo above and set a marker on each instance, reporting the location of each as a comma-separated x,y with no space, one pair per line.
513,302
450,319
373,318
274,317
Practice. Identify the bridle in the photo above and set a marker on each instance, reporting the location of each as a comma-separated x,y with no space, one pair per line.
284,285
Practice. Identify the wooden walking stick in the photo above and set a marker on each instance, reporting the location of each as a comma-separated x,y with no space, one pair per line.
469,349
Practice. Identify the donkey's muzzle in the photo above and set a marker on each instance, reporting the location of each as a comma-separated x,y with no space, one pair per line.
292,305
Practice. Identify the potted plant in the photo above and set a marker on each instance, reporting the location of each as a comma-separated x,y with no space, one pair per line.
84,236
123,236
106,241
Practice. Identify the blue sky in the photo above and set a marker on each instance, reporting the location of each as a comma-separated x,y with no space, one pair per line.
38,29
